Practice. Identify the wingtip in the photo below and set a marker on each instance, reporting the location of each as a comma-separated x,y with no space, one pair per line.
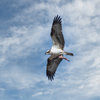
50,75
57,19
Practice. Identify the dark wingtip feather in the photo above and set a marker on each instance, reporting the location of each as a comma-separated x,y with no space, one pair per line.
57,19
50,75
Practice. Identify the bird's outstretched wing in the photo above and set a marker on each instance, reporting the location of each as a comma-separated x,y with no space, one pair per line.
52,64
56,33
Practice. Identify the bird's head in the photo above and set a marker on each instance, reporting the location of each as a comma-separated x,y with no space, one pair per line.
48,52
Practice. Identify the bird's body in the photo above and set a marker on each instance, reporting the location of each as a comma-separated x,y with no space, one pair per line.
56,50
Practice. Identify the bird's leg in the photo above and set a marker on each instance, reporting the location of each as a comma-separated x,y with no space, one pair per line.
62,57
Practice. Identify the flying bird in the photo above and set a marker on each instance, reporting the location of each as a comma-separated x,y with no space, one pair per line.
56,50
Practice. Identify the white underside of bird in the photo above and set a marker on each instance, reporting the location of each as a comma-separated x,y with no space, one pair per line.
56,50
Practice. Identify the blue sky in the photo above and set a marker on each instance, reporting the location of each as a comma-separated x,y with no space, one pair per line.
25,37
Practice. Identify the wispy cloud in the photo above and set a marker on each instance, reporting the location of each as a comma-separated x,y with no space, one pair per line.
37,94
26,38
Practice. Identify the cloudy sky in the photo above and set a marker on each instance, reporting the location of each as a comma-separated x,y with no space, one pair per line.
25,27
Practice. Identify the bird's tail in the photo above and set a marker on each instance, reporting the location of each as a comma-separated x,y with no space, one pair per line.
67,53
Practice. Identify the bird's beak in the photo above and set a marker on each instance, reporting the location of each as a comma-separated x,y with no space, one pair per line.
45,53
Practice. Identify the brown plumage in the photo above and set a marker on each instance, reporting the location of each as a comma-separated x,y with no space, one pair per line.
56,51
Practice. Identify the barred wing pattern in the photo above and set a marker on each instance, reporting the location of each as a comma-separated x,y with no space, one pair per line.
52,64
56,33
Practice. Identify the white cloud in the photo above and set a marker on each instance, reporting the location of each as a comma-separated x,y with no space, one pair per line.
20,78
80,21
2,89
37,94
46,92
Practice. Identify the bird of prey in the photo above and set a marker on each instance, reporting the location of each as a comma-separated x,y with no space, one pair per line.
56,50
